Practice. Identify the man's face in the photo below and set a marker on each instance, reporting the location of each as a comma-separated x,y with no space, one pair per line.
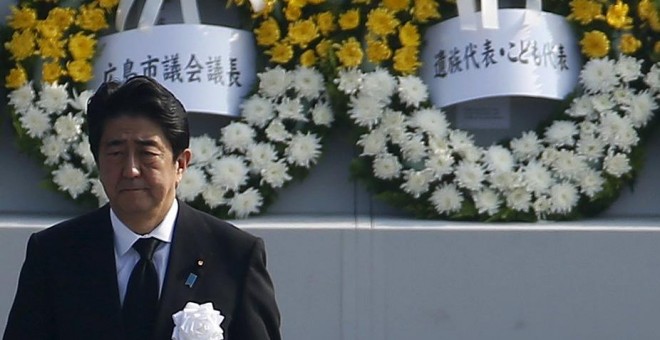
138,169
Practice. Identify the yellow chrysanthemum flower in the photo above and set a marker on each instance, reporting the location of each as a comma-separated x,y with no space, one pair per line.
323,48
91,18
349,53
349,19
595,44
61,17
108,4
585,11
51,48
49,29
654,21
378,51
645,9
409,35
629,44
16,78
280,53
617,15
382,22
326,23
302,32
82,46
21,45
23,18
425,10
268,32
396,5
308,58
406,60
656,47
79,70
51,72
292,13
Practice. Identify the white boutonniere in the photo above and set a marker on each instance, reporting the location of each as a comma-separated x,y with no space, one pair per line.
198,322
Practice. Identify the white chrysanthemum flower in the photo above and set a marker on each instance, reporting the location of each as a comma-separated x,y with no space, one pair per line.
590,147
373,143
617,130
71,179
79,101
527,146
536,177
276,174
440,163
290,108
54,149
580,107
274,82
68,127
245,203
568,164
602,102
505,180
260,155
365,110
641,108
591,183
616,164
549,156
629,68
257,111
563,197
83,150
412,90
431,121
192,183
652,78
542,206
214,196
379,84
237,136
21,98
519,199
303,149
349,80
470,153
276,131
413,149
308,82
53,98
393,122
622,95
229,172
416,183
386,166
447,199
98,191
498,158
460,139
204,150
599,75
470,175
561,132
35,121
487,202
322,114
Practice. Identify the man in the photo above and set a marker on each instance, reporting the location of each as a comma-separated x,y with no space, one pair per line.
122,271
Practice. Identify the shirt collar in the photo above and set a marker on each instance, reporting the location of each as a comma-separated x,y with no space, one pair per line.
125,237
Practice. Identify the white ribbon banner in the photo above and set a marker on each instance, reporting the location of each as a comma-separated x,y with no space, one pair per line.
532,54
209,68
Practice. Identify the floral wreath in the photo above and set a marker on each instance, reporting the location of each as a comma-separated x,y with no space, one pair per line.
317,54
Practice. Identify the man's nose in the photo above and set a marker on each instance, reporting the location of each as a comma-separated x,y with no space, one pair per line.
131,166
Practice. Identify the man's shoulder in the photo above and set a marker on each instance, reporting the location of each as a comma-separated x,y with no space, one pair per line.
78,225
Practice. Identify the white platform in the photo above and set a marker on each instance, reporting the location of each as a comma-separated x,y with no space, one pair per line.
356,278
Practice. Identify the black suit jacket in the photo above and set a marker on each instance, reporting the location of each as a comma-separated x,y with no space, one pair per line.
68,285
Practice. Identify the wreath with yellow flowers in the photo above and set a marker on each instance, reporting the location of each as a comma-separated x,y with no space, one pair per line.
348,54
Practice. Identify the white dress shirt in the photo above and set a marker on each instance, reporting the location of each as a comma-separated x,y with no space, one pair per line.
126,257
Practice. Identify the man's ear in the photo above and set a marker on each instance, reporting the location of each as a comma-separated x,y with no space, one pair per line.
182,161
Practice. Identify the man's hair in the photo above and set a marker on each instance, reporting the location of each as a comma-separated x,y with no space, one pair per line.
139,96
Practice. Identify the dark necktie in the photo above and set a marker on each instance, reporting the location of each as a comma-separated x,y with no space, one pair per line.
141,300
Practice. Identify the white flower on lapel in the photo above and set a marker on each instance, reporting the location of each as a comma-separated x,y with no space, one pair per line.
198,322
